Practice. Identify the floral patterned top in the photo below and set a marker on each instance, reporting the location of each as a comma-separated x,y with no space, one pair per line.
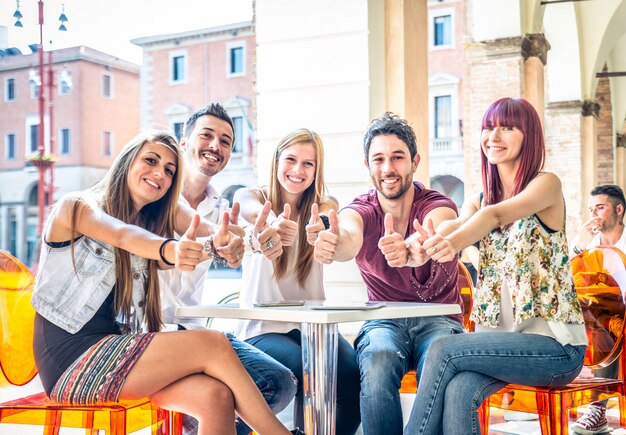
534,263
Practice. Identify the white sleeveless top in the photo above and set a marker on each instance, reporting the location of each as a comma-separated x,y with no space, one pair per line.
258,284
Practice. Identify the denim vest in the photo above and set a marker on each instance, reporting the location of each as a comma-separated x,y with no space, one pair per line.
69,298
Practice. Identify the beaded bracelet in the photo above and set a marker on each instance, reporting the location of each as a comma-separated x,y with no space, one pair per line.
163,259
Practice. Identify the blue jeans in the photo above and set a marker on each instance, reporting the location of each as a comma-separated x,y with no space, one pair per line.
287,349
386,351
461,371
274,380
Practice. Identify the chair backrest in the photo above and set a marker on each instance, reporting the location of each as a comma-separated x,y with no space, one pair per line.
466,287
600,281
17,361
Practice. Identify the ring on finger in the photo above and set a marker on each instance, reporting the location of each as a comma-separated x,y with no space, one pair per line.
236,258
269,244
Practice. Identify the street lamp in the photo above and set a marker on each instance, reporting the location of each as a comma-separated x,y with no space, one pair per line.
40,161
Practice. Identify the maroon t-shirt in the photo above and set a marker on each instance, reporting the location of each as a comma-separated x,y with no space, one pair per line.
431,282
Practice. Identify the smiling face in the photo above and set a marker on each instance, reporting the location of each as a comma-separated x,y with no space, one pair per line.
209,145
391,167
151,174
501,144
296,169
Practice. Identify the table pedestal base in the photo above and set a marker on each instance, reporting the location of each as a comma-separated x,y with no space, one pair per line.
319,363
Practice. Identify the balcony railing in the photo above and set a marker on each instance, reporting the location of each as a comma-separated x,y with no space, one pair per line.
446,146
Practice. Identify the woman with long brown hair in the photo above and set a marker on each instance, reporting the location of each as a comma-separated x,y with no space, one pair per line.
97,290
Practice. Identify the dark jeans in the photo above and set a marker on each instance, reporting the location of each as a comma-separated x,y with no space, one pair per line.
287,349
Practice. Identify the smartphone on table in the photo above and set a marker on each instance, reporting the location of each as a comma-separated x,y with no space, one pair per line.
294,303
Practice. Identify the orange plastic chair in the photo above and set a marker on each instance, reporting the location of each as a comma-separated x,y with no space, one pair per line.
600,281
17,367
408,385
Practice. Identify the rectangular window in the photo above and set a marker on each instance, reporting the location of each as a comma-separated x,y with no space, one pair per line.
443,116
236,60
9,144
178,128
179,72
65,141
12,220
107,86
238,131
107,143
9,89
65,82
442,27
34,138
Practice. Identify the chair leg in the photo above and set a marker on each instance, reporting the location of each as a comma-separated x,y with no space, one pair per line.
622,410
52,422
483,417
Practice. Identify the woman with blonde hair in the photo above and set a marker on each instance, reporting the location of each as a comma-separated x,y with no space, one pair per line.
287,215
97,290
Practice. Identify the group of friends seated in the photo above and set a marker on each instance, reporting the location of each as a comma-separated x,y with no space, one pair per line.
118,258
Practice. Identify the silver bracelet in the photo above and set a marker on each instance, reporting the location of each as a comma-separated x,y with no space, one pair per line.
253,242
209,249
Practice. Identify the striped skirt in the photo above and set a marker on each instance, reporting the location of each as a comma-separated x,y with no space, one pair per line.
98,375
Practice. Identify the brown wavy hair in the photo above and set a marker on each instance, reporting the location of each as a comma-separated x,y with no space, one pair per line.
113,196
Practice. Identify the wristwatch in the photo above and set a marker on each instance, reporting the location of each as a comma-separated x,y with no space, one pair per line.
325,220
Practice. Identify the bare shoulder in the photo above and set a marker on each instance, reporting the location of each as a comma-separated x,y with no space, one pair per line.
548,179
249,193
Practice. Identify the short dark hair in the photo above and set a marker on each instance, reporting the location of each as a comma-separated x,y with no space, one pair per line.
612,191
213,109
388,124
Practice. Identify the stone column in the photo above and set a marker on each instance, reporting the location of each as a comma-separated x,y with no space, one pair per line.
406,70
590,112
620,160
535,54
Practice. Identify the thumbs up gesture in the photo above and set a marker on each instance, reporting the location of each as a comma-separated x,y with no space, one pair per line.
314,226
392,245
267,236
325,245
287,229
414,243
188,251
228,245
439,248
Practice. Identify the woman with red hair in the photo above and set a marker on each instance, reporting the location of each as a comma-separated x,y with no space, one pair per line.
529,323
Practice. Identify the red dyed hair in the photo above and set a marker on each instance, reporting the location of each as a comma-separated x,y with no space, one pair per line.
518,113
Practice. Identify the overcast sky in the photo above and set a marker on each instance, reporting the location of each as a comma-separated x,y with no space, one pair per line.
109,25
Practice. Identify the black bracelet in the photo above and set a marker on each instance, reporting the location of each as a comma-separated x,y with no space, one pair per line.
577,250
163,259
325,221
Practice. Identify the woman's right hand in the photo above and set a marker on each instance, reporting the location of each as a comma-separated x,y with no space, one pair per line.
267,236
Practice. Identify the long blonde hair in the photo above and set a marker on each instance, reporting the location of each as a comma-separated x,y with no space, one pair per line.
315,193
113,195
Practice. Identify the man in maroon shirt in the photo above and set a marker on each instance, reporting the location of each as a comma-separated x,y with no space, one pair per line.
382,230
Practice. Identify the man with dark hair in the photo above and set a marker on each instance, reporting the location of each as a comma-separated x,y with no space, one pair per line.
207,145
381,230
605,227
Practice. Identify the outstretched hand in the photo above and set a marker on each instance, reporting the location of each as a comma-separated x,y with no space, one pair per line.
188,251
392,245
267,236
287,229
314,226
438,248
325,246
414,243
228,245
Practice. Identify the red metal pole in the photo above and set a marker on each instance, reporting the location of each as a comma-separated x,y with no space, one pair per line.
51,126
40,186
